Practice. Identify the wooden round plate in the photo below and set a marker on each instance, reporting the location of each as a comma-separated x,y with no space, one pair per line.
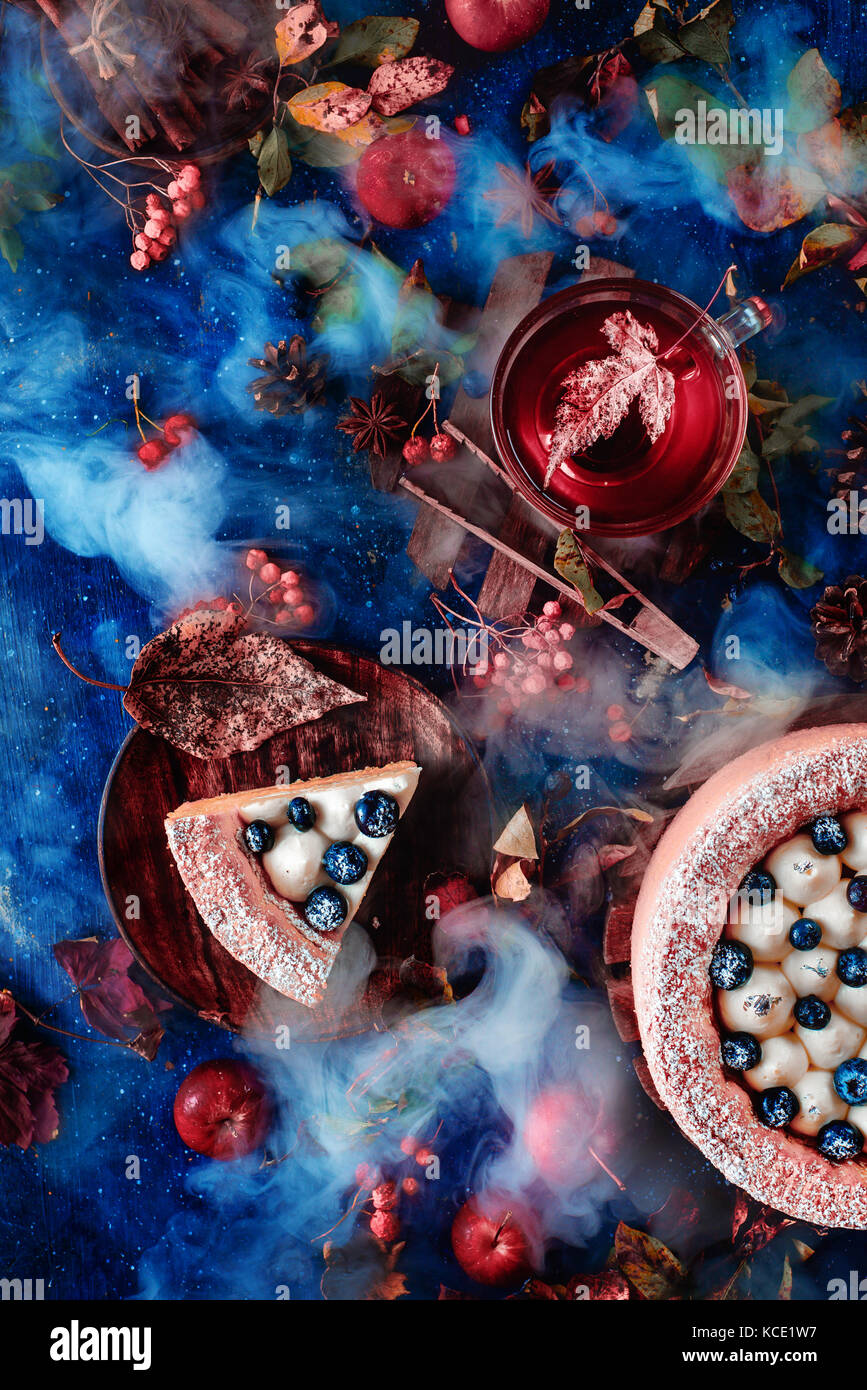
447,827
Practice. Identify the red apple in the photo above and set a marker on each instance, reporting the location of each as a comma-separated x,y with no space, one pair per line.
558,1135
490,1242
222,1109
495,25
406,180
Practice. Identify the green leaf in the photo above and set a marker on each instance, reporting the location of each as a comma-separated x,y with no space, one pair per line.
815,94
707,35
317,148
821,246
570,563
750,514
797,572
11,246
423,364
374,40
745,474
321,260
274,162
671,99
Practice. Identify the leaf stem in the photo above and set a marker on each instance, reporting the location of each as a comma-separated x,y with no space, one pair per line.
91,680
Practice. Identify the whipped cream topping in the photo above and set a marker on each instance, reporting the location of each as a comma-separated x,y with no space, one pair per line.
293,864
810,885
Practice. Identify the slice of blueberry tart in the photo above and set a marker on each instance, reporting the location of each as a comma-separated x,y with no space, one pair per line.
749,961
278,873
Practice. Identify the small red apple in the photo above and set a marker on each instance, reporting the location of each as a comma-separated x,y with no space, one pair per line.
491,1244
495,25
558,1135
406,180
222,1109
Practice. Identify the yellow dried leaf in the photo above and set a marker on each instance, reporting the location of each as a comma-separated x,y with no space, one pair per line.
518,840
314,107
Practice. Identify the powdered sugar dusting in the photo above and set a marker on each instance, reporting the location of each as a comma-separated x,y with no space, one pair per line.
674,993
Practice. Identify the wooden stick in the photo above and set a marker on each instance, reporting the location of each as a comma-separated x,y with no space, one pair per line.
651,627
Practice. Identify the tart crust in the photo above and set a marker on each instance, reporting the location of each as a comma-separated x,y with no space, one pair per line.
237,902
726,828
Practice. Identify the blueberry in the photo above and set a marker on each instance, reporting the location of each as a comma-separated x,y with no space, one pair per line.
852,966
839,1140
344,862
828,835
777,1106
301,813
325,909
857,893
812,1012
476,385
259,836
850,1081
805,934
741,1051
758,887
376,814
731,964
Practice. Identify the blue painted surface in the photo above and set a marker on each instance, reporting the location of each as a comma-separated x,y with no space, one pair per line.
126,548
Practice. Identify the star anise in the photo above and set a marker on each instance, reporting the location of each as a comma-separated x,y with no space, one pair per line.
524,197
246,80
373,426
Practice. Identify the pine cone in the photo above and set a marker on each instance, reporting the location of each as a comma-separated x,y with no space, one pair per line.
292,381
840,627
851,474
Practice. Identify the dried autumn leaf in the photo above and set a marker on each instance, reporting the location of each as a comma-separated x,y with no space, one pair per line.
785,1290
376,39
29,1074
211,688
518,838
333,108
706,36
814,92
396,86
609,855
303,31
429,980
362,1270
513,884
797,572
596,397
111,1002
768,197
750,514
720,687
650,1266
838,151
830,242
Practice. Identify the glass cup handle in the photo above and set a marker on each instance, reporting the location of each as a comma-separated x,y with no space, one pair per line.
746,319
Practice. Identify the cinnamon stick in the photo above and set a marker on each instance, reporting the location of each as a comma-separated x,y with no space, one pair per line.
218,25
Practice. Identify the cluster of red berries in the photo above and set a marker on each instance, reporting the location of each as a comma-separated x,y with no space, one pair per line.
385,1193
160,231
222,605
441,448
176,430
619,730
537,662
284,591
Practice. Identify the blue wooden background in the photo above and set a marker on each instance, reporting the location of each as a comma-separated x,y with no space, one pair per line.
125,548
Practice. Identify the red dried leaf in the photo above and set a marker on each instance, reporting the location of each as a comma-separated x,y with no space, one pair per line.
754,1226
211,688
396,86
598,394
111,1002
767,198
29,1074
444,892
598,1288
429,980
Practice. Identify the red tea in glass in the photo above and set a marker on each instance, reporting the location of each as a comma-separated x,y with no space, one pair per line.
628,485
